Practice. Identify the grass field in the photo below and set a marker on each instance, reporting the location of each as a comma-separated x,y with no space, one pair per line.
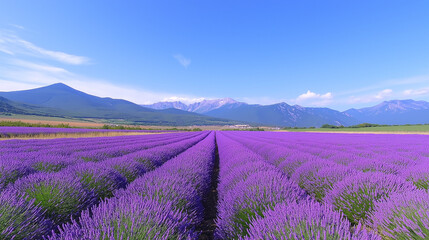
51,120
404,129
92,123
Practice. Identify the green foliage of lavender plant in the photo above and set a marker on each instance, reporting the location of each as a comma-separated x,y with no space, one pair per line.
243,218
97,185
51,199
47,167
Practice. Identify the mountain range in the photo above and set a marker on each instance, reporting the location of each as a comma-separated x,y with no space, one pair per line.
282,114
393,112
60,100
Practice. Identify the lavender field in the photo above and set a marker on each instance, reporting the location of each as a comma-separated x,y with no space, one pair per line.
216,185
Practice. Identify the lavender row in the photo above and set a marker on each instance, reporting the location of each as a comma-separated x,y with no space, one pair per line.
91,149
40,202
121,150
347,146
247,188
257,201
15,166
410,164
367,191
79,144
163,204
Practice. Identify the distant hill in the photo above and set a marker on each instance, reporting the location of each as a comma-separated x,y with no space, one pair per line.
393,112
62,100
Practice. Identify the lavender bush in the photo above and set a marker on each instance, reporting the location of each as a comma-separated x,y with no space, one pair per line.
10,171
128,217
306,220
21,218
403,216
61,196
418,174
356,195
97,178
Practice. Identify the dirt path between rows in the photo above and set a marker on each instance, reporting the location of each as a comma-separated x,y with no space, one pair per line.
208,225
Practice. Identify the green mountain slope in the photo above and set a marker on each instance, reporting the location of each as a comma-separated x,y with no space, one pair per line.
62,100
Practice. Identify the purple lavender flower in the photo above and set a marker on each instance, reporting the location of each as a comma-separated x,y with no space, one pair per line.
403,216
160,187
250,199
12,170
306,174
304,220
318,177
418,174
128,217
291,163
241,173
21,218
356,195
373,165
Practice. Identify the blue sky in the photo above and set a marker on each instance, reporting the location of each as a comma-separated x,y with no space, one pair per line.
339,54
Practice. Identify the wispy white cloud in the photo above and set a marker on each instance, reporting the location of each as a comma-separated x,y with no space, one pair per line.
375,97
314,99
311,95
408,81
37,66
416,92
185,62
7,85
17,26
387,84
11,44
383,94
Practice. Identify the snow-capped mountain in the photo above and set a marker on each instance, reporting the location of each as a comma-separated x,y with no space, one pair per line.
166,105
198,107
